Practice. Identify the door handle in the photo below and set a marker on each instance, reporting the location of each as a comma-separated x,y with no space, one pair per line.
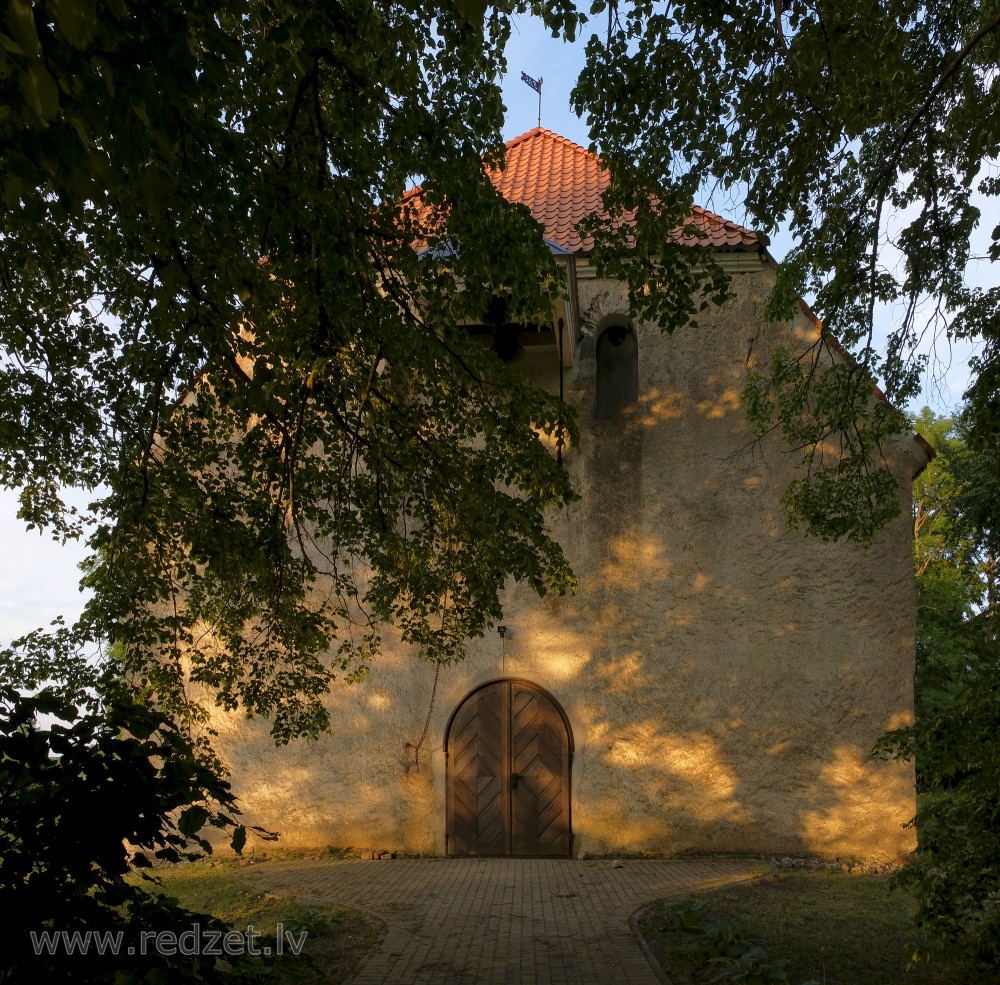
514,777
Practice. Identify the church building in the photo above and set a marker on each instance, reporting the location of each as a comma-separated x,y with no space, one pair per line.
718,680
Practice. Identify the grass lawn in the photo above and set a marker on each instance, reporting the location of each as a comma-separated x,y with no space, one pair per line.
831,928
338,938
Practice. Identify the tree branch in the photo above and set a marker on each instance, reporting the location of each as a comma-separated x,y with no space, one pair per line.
988,28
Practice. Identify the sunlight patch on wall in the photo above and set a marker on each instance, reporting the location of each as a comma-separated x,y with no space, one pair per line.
901,719
606,825
379,700
788,629
636,560
624,675
561,651
701,581
685,772
657,406
857,806
727,402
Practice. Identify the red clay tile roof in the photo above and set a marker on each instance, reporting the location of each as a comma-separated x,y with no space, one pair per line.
561,183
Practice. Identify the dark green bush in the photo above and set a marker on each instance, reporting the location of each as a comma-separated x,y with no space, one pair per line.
91,789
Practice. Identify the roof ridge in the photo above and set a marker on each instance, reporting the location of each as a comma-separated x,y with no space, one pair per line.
543,131
518,140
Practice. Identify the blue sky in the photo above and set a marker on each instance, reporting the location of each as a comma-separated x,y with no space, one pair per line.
39,578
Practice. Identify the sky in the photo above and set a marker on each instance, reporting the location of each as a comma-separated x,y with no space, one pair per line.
39,578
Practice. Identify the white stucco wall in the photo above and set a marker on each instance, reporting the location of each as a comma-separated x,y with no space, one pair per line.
725,677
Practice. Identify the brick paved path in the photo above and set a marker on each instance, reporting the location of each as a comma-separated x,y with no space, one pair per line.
500,921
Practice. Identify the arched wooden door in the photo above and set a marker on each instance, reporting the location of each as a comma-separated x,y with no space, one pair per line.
509,751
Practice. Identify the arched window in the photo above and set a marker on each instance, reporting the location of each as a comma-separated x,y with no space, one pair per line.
617,372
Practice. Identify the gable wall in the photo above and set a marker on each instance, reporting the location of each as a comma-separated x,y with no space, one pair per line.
724,677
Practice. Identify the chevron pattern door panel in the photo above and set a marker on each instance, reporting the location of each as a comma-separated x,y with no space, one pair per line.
508,774
477,777
540,774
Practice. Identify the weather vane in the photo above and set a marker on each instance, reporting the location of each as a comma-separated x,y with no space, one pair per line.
535,84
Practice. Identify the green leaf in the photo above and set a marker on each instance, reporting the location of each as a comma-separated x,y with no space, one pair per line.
473,12
76,19
192,820
21,24
40,91
9,44
13,188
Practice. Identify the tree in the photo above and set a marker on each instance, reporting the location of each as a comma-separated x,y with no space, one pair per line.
949,586
956,524
211,192
214,193
955,741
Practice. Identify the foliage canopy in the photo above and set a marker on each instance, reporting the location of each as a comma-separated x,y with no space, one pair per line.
210,191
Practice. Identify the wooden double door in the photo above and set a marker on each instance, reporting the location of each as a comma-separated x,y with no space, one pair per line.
509,752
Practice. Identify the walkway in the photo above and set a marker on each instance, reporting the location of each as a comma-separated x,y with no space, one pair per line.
501,921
